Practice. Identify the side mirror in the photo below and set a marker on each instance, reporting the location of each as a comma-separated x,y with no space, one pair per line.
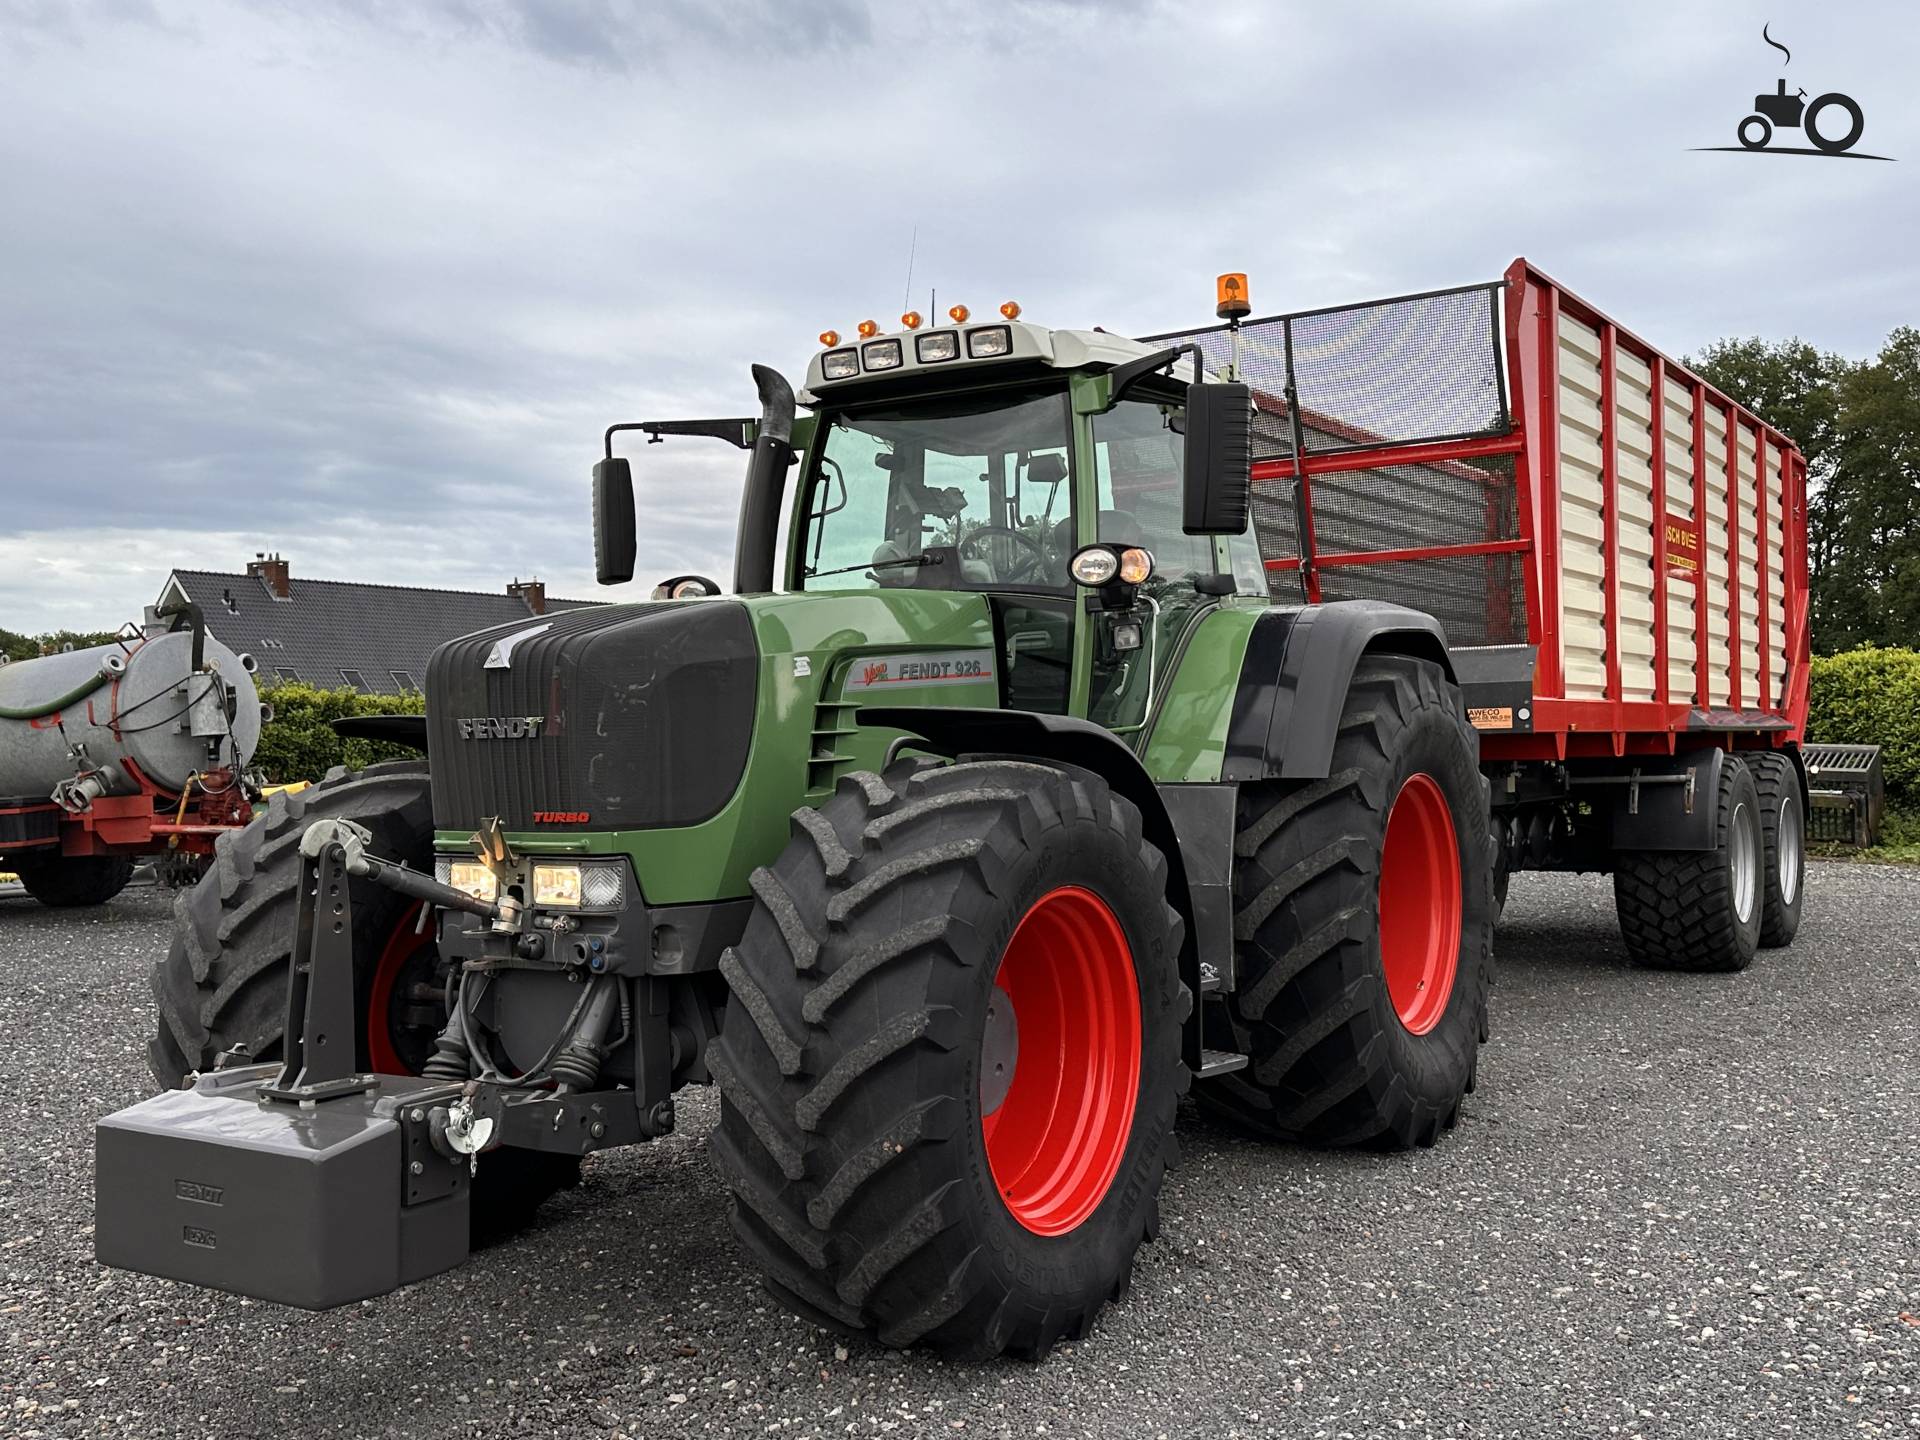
614,541
1219,459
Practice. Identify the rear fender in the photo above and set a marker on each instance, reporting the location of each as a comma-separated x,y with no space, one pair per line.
1293,683
1659,816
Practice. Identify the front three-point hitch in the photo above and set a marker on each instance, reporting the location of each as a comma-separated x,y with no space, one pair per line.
315,1183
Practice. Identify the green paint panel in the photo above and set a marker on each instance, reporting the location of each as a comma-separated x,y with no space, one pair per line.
1189,736
812,647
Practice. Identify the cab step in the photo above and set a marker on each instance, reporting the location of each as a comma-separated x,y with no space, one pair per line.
1218,1062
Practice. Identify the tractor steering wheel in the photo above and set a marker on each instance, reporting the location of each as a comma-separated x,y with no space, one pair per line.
1020,568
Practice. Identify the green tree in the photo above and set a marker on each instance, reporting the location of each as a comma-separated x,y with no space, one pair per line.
1858,423
27,647
1873,591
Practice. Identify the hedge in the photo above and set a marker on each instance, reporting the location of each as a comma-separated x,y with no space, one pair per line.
1871,697
299,742
1865,696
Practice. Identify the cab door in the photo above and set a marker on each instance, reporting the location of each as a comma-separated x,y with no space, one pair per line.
1137,464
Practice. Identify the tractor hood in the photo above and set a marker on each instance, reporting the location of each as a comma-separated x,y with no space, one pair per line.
637,716
681,730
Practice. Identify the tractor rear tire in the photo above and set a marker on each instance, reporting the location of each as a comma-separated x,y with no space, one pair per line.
1364,909
951,1056
1783,829
68,882
1698,910
222,988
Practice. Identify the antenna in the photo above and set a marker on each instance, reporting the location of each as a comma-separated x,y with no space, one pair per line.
906,298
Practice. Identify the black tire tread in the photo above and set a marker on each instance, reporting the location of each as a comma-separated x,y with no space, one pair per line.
72,882
1777,779
826,1144
1676,907
221,983
1304,1013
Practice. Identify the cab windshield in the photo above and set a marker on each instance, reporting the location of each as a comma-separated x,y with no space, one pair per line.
954,493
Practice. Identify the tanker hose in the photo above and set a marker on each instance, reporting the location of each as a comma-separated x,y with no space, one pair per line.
41,708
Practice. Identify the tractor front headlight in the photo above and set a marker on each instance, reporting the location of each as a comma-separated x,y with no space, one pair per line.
470,876
580,885
557,885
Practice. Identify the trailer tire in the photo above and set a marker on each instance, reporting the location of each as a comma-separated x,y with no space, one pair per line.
894,1168
1783,829
222,986
68,882
1346,1046
1698,910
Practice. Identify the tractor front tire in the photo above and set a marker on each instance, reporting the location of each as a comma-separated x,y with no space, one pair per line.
69,882
222,987
1698,910
1363,927
951,1056
1783,831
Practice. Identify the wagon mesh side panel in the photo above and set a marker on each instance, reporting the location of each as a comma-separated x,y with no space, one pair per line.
1392,372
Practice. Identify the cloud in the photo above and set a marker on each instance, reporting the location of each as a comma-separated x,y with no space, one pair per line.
365,283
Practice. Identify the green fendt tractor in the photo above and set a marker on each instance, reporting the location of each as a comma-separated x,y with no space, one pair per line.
999,804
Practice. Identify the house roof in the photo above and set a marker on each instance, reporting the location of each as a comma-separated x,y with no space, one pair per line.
384,633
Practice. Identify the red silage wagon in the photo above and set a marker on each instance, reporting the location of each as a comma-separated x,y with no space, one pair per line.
1618,554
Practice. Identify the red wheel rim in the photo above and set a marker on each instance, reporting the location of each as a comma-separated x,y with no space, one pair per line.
402,945
1056,1132
1420,904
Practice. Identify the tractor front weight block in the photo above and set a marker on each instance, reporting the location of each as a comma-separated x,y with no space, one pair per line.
313,1205
311,1183
307,1182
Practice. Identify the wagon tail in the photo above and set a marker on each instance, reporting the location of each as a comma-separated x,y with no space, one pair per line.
1087,720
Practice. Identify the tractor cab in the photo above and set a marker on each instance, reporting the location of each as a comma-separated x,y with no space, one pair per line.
1051,472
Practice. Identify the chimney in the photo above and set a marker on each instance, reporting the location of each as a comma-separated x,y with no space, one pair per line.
272,571
534,592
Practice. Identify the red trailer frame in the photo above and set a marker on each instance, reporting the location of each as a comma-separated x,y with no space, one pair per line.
1559,727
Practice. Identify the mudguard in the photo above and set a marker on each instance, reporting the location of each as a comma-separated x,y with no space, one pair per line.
1293,682
1659,816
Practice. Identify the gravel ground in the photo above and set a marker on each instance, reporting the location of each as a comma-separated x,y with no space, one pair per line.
1676,1206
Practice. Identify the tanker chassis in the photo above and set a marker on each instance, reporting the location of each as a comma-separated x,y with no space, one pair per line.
1116,717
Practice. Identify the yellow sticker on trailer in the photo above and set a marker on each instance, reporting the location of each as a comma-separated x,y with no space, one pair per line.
1490,717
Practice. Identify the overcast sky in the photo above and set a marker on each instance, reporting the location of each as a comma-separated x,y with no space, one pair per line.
363,282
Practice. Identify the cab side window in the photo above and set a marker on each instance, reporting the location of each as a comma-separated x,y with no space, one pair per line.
1139,459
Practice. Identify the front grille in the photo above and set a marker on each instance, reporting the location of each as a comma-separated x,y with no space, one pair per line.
645,716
